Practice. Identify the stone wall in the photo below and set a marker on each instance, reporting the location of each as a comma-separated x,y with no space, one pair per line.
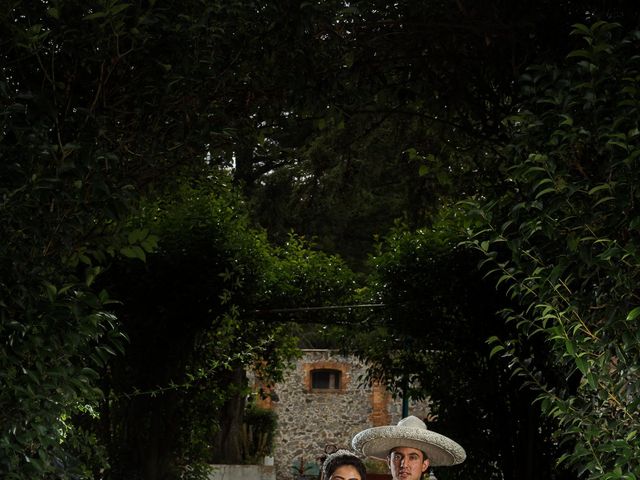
310,419
241,472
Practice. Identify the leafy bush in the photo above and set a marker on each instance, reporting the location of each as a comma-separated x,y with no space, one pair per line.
563,239
259,430
428,341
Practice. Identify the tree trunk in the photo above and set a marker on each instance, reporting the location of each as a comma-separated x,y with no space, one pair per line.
228,442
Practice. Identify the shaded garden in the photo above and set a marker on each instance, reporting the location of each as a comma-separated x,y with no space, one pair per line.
180,181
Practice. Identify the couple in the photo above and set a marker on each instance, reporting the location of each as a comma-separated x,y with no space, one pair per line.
408,447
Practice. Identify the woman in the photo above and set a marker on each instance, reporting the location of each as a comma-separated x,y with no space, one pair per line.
343,465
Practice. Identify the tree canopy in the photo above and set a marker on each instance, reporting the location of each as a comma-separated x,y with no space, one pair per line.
335,119
189,314
563,239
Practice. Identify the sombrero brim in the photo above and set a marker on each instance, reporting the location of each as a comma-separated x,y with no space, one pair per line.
378,441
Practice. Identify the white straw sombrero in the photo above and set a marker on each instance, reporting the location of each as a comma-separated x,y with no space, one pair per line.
410,432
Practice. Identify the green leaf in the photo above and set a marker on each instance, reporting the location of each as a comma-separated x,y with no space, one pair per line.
633,314
582,365
89,372
150,244
133,252
545,192
603,200
542,182
567,120
91,274
137,235
52,291
94,16
580,54
118,8
496,349
569,346
412,153
597,188
579,28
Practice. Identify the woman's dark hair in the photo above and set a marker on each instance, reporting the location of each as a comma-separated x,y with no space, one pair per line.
340,458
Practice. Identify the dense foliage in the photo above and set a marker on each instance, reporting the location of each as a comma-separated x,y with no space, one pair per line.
177,396
399,89
563,241
325,111
430,341
101,102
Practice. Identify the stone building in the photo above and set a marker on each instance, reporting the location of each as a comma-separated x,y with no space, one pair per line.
323,402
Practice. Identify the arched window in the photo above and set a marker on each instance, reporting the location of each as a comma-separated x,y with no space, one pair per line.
326,379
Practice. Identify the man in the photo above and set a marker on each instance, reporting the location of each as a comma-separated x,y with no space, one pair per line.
409,448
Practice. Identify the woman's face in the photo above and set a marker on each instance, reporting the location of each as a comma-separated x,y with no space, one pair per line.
345,472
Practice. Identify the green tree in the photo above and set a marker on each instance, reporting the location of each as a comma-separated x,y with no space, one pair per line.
177,396
101,103
562,240
399,88
429,341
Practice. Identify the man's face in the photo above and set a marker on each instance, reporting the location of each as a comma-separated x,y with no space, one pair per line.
407,463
